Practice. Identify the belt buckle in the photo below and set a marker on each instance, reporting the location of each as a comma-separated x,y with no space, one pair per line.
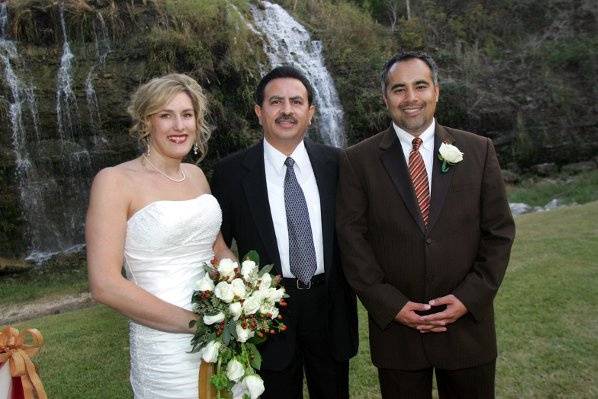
303,286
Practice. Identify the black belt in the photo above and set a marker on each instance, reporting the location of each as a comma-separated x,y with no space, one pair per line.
316,281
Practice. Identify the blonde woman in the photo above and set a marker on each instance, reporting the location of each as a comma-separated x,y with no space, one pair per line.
157,214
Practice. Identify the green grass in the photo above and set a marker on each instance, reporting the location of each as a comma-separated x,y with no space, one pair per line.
85,354
547,309
580,188
546,316
64,275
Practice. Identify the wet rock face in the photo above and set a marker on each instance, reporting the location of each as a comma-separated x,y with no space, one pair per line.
75,67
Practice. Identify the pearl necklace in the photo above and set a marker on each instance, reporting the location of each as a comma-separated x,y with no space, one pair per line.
181,171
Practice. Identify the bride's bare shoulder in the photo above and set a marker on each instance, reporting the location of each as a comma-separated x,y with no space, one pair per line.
119,176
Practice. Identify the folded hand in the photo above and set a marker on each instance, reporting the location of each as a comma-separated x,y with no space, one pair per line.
454,310
410,318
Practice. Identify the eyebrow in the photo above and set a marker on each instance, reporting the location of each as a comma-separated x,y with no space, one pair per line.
173,111
281,97
417,82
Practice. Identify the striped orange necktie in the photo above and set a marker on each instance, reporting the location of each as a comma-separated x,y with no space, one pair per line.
419,179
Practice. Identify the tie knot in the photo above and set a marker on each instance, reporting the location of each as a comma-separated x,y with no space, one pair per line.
417,142
289,162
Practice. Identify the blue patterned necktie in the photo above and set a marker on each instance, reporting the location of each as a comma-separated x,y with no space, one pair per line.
302,255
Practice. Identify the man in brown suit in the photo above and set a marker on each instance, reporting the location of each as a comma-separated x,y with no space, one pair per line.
425,237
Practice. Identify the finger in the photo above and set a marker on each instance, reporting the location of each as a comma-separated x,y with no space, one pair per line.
443,300
438,329
433,330
444,315
425,327
435,323
419,306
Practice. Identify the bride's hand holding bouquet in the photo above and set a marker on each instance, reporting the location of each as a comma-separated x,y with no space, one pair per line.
238,308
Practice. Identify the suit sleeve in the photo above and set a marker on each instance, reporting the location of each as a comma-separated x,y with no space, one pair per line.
383,301
219,191
497,231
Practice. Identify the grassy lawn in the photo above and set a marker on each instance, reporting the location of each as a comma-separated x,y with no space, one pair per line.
547,321
579,188
63,275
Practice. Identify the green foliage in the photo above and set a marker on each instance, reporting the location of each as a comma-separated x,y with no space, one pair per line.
578,189
61,276
412,34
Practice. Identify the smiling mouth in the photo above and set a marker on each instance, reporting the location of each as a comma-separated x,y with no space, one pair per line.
412,111
177,139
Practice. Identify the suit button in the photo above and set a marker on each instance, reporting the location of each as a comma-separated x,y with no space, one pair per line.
428,241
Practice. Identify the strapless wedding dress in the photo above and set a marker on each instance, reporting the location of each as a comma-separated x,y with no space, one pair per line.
166,243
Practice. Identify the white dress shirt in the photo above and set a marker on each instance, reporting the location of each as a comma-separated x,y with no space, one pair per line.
275,173
426,149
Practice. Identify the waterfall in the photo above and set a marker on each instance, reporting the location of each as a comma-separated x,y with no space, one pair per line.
288,42
66,102
53,169
27,175
102,47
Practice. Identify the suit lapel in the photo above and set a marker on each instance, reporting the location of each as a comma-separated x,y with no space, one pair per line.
325,174
394,161
441,181
256,192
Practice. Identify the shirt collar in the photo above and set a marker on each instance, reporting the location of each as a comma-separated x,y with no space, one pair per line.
427,136
275,159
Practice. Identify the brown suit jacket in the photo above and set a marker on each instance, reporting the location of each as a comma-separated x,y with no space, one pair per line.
390,257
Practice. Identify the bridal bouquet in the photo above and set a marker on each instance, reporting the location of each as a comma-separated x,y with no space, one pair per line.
238,309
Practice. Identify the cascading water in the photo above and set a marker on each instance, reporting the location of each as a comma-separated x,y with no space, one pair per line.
26,172
54,168
288,42
67,111
102,47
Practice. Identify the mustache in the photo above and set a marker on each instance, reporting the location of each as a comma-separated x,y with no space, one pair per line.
286,118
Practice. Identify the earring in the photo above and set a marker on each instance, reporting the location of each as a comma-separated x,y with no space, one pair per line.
147,143
195,148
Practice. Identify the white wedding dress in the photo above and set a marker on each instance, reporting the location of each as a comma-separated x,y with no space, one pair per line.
166,244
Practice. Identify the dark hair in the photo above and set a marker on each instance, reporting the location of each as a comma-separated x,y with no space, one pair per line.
408,55
285,71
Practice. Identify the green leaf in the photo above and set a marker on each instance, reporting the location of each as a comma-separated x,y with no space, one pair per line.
252,255
264,270
255,359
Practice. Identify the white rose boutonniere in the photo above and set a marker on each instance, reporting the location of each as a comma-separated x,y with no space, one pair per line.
449,155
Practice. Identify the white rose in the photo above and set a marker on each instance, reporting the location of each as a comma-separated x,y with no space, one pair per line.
265,282
235,309
224,291
252,304
226,267
450,153
209,320
248,270
243,334
234,370
239,288
205,283
255,385
239,390
268,307
275,294
209,353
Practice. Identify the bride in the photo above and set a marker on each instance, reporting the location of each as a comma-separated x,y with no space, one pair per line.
157,214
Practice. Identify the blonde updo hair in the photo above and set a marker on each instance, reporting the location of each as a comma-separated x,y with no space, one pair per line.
153,95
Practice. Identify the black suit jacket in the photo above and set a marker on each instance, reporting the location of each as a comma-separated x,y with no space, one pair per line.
239,184
391,257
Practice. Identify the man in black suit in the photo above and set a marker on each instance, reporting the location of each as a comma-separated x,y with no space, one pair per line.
278,197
